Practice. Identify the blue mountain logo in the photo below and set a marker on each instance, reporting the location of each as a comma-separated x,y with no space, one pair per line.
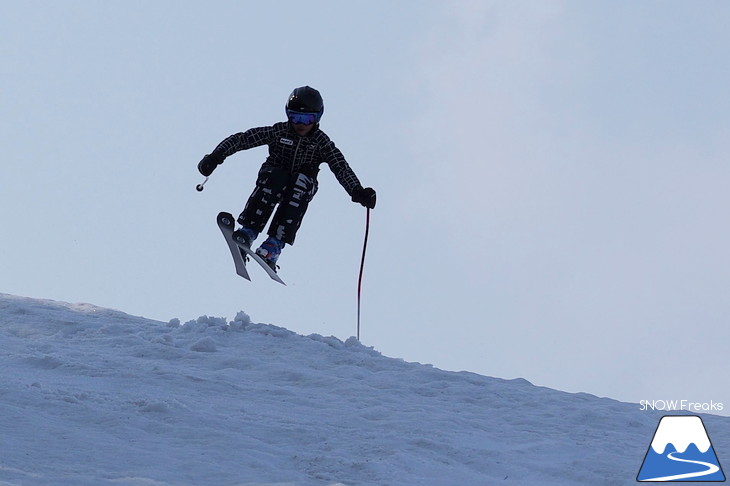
681,451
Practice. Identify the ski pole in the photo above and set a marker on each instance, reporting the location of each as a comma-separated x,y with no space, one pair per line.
362,267
200,187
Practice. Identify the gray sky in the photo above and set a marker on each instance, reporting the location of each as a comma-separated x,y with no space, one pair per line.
552,176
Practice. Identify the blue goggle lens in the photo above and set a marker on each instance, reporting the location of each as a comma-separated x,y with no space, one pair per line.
301,118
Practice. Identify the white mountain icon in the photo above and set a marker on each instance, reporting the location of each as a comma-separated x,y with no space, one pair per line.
680,430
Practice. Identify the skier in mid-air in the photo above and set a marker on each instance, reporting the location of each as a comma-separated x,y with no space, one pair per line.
288,177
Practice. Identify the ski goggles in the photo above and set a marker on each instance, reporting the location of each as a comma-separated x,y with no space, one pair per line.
302,118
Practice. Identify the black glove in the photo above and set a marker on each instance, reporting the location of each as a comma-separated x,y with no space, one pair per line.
364,196
209,163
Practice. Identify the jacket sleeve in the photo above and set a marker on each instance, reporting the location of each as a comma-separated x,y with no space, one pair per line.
253,137
339,167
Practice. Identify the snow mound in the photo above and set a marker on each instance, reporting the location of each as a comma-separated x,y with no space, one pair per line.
93,396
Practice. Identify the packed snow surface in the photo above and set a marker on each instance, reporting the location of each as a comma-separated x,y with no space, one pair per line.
93,396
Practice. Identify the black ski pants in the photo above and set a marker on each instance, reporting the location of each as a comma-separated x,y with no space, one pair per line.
292,193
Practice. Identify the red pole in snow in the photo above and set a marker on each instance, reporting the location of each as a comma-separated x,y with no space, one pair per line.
362,266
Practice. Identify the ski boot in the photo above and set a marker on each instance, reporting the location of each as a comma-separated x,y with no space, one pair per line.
270,250
245,236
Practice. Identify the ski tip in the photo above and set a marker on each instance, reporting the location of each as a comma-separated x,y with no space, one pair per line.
225,219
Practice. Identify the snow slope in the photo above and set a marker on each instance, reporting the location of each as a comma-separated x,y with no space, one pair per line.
92,396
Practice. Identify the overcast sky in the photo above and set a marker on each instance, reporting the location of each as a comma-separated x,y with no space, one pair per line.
552,176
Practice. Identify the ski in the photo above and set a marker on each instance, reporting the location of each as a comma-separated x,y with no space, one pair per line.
257,258
241,252
226,225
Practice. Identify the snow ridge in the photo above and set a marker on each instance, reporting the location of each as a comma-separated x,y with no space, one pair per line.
93,396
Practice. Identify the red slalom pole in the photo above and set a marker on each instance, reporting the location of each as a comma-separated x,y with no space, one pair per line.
362,267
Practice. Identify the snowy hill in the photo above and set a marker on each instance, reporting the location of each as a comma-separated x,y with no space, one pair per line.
92,396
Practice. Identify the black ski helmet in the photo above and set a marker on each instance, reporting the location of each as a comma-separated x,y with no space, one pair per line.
306,100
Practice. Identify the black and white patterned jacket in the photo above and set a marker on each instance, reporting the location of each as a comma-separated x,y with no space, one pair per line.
292,152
